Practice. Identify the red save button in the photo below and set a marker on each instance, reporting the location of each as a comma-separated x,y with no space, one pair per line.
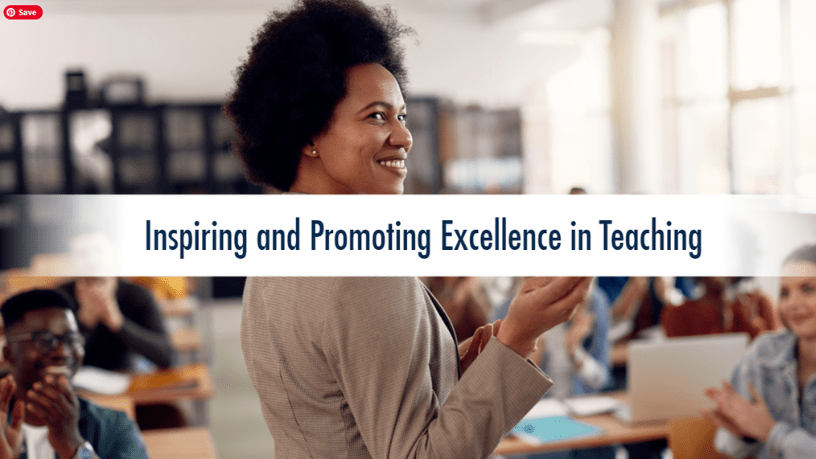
23,12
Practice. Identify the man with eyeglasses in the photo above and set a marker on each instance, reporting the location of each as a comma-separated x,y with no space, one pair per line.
45,419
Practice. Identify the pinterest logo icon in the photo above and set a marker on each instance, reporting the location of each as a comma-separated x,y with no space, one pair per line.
23,12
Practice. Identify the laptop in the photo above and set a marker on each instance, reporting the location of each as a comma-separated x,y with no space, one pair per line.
666,379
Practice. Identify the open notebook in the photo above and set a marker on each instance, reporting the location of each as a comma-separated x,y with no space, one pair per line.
553,428
550,419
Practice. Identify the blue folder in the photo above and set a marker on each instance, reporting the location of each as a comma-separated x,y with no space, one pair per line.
554,428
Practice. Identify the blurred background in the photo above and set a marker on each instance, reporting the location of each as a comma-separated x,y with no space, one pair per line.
533,96
505,96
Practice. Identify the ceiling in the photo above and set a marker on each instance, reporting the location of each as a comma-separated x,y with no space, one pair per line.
560,14
571,11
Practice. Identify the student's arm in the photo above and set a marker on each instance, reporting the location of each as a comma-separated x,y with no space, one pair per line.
124,440
597,375
592,368
143,329
628,302
591,373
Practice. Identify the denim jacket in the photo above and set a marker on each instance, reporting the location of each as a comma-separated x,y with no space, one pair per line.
770,365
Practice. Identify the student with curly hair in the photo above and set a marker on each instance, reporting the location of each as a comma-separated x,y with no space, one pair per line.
364,367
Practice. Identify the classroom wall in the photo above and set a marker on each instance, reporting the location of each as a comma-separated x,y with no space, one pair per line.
189,54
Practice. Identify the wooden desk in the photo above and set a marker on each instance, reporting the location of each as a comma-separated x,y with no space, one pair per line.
23,279
186,340
114,402
614,432
190,383
187,382
178,307
184,443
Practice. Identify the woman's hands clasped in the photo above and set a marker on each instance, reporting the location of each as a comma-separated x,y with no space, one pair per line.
541,304
738,415
470,348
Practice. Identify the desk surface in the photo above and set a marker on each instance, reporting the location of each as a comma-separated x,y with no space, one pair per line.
614,432
186,382
178,307
186,340
183,443
115,402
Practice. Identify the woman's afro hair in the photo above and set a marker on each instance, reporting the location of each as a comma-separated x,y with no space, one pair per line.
295,75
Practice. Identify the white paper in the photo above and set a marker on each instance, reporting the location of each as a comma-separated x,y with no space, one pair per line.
101,381
547,407
588,406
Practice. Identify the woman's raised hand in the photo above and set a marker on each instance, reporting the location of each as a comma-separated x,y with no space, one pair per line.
541,304
470,348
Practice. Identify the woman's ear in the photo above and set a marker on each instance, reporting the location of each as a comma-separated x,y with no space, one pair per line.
310,150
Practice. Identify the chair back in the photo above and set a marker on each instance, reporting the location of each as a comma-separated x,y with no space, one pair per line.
122,403
693,438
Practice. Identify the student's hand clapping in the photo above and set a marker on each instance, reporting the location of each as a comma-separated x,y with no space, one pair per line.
11,435
738,415
541,304
55,403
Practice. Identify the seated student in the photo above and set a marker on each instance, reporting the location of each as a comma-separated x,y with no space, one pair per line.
720,310
576,356
578,350
119,320
44,349
768,409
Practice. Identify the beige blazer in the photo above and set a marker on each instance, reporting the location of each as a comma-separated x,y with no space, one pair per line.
368,368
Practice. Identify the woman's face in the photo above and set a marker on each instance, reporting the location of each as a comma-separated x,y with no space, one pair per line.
366,145
797,298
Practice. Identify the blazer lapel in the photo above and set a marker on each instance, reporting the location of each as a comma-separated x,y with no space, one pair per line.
448,324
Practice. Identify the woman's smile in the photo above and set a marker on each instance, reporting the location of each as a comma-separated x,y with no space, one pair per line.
398,164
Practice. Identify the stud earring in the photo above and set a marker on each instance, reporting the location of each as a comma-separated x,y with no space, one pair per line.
314,152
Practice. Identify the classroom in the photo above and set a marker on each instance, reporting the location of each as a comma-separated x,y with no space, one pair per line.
569,99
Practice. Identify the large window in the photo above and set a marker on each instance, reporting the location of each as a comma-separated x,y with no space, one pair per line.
739,87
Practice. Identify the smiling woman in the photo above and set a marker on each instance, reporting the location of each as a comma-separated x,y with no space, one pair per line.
768,409
319,101
365,367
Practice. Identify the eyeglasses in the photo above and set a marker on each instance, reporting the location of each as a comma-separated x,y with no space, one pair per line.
46,342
